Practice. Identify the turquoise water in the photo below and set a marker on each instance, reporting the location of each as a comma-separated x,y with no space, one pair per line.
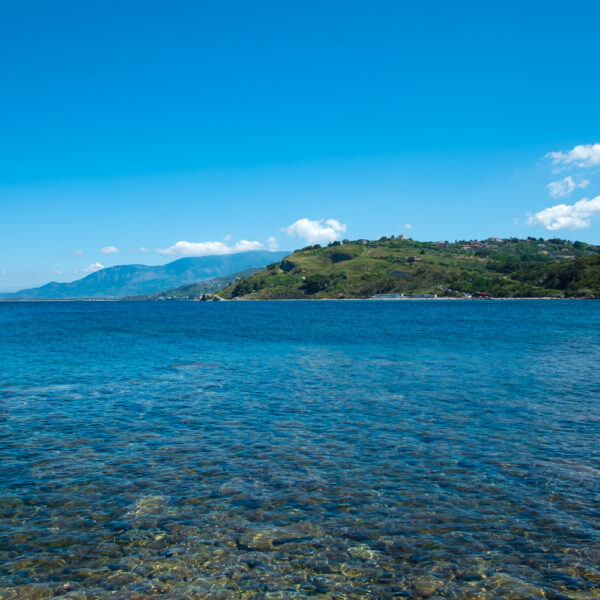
409,449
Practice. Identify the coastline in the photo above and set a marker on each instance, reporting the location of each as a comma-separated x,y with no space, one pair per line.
396,299
444,299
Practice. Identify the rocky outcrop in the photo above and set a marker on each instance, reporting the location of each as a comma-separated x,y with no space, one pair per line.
211,298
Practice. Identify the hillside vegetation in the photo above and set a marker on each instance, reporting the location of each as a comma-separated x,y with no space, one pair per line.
500,268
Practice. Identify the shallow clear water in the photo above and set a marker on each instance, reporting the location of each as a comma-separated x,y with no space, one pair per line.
300,449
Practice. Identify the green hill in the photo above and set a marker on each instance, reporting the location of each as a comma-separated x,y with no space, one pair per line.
360,269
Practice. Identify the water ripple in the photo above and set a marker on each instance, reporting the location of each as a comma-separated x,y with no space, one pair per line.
296,450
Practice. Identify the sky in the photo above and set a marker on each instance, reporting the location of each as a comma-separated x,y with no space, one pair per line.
141,132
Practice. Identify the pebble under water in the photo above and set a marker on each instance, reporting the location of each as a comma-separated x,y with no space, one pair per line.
408,449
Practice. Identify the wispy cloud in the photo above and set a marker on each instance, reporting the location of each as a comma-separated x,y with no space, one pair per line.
408,226
109,250
316,232
584,156
272,244
567,216
565,187
210,248
78,252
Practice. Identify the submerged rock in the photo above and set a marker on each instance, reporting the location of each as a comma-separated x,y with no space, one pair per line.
426,585
32,591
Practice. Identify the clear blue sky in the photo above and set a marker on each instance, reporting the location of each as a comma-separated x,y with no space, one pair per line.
143,124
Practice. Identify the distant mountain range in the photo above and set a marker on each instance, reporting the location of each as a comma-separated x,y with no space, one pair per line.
135,280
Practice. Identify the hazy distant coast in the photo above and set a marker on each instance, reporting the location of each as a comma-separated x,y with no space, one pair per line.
135,280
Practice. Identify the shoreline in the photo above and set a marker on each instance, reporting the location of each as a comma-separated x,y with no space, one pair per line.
444,299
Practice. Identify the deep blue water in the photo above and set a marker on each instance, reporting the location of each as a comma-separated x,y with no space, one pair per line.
300,449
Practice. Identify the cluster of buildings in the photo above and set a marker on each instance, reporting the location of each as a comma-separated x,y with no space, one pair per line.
477,244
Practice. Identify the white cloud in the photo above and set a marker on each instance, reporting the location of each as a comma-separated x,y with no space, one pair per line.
408,226
210,248
272,244
144,249
565,187
56,272
93,268
567,216
78,252
314,232
2,271
584,155
109,250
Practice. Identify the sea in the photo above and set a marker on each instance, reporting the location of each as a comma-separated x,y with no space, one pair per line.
316,449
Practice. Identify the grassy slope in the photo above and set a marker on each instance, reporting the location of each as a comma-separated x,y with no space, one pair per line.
512,268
